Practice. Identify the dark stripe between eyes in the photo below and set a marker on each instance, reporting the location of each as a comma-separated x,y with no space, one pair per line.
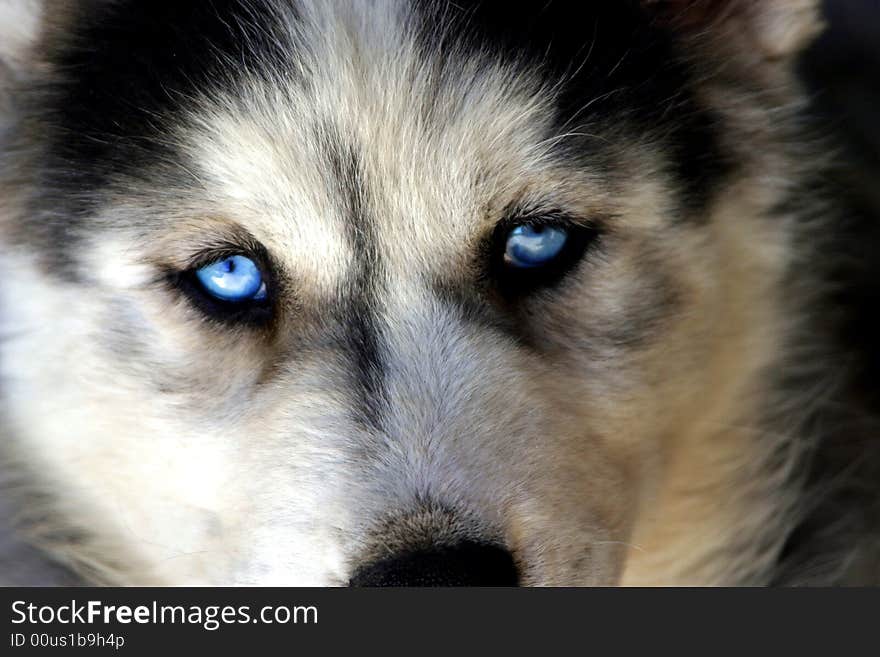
360,294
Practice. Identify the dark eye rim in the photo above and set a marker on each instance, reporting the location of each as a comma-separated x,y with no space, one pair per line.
514,282
251,312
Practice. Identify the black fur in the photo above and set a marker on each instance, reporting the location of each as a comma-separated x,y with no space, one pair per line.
127,68
622,68
120,76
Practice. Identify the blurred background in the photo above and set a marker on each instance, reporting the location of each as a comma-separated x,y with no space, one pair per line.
842,70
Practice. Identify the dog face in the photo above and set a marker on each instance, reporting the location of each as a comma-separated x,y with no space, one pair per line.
293,289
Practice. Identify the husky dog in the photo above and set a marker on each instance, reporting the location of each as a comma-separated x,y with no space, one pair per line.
297,292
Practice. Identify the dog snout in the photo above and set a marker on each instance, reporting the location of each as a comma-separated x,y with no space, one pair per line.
464,564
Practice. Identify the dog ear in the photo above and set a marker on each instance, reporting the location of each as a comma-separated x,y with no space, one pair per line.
20,23
772,29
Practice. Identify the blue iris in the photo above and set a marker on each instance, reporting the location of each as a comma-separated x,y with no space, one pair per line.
534,246
235,278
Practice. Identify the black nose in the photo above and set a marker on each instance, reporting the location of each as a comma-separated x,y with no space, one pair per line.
465,564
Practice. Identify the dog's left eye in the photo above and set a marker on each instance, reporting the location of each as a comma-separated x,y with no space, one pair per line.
234,279
534,246
232,289
537,252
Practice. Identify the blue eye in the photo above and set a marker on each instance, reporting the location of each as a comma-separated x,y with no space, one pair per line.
236,278
534,246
